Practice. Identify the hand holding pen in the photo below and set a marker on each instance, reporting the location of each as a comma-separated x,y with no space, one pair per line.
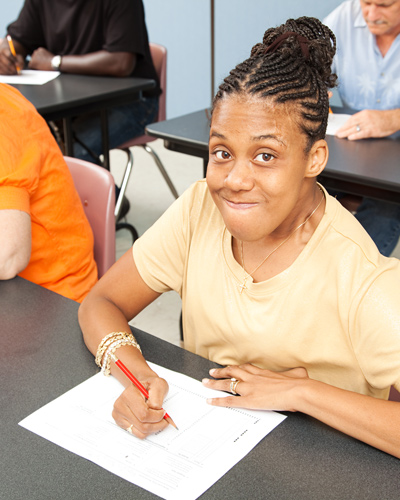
141,416
9,64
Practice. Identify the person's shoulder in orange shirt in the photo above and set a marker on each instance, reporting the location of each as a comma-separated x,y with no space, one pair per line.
37,190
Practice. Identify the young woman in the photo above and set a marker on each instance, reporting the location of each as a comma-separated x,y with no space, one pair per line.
279,283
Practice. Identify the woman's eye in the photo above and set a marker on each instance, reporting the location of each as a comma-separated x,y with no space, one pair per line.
264,157
222,155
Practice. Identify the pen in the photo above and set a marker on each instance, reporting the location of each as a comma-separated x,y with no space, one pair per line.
12,49
136,382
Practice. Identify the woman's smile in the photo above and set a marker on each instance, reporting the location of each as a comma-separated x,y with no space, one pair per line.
239,205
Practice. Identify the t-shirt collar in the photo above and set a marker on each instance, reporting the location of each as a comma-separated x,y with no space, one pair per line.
359,21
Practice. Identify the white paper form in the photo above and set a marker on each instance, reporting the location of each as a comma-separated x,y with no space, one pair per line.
30,77
335,121
172,464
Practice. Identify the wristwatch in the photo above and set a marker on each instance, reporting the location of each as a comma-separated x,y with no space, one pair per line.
56,63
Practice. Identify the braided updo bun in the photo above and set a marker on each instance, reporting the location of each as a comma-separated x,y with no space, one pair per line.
292,64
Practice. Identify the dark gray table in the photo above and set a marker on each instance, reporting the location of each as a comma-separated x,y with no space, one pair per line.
369,167
42,355
68,96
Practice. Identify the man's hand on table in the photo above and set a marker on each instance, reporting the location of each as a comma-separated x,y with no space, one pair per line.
41,60
370,123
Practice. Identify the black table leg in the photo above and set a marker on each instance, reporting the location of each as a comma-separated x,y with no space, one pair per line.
104,137
205,164
68,140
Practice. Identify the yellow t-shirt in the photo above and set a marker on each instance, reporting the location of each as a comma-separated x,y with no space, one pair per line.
334,311
35,179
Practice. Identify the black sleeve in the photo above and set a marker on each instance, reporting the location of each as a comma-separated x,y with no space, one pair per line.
27,29
125,28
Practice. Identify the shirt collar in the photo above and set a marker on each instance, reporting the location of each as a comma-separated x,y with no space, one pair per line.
359,21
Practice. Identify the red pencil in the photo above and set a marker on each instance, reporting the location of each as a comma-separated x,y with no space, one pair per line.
136,382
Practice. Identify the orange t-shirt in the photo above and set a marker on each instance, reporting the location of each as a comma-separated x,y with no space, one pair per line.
35,179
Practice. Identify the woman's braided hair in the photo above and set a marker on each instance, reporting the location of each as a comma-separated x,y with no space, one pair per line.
293,63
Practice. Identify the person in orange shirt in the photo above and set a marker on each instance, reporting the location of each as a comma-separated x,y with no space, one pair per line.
45,236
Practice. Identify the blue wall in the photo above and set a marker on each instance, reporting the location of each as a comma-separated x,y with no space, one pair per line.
240,24
184,27
8,12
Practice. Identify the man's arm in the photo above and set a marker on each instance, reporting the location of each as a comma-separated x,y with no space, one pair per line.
95,63
370,123
15,248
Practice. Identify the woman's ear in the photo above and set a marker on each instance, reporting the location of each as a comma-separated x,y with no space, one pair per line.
318,156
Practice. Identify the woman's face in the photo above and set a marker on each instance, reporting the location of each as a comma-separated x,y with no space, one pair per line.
258,174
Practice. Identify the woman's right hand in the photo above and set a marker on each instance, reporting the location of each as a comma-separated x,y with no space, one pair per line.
139,416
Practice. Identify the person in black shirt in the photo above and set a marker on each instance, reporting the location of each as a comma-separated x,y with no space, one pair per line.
92,37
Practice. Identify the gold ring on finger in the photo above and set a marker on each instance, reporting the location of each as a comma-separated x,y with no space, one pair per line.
234,383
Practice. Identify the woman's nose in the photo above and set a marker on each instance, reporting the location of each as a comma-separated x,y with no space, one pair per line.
240,176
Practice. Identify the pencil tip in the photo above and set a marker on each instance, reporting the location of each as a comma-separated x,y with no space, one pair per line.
170,421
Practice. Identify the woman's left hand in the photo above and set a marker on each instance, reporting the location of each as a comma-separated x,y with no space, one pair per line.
257,388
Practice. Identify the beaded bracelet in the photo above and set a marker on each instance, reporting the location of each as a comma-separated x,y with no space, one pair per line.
105,343
106,366
109,345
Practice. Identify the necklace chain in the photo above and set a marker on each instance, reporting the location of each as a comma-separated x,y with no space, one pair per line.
247,275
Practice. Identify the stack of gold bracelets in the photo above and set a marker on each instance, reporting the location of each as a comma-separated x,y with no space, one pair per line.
109,345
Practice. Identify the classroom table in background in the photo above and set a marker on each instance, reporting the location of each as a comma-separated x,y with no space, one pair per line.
68,96
43,356
369,167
